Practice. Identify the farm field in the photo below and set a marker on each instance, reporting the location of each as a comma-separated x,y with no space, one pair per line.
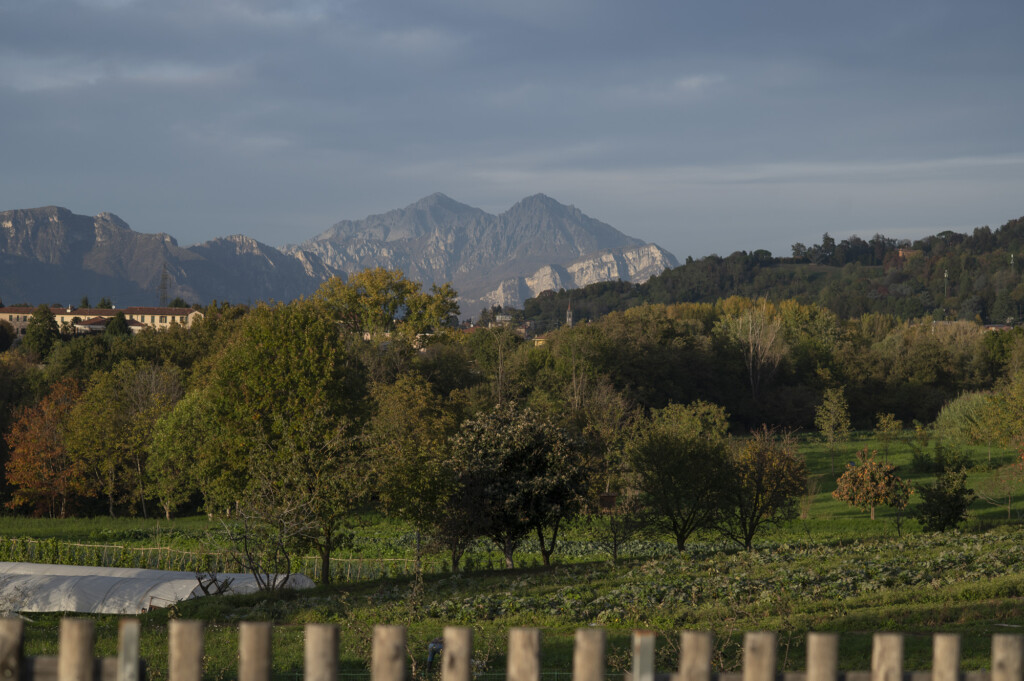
832,569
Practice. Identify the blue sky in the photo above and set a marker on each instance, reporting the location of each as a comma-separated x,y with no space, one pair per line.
702,126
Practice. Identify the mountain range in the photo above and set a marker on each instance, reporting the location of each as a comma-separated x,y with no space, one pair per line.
53,255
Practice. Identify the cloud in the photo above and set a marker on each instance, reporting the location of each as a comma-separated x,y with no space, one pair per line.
26,74
696,84
33,74
106,4
275,13
419,41
669,91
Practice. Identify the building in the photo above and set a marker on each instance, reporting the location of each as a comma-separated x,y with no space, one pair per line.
93,320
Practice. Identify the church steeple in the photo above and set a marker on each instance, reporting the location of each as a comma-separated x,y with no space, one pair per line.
568,314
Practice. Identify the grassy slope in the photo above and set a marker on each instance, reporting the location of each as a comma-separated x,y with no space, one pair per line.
834,570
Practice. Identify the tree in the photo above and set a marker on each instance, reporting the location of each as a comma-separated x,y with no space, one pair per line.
288,389
117,326
832,419
681,465
869,483
758,331
105,304
172,467
43,474
378,301
887,431
525,474
408,436
7,335
766,478
41,333
944,504
1002,485
110,430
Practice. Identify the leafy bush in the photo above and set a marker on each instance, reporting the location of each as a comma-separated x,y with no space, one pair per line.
944,504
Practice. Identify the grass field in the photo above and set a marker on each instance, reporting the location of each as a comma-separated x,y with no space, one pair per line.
832,570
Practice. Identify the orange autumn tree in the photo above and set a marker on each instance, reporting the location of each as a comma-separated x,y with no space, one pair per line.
39,469
869,483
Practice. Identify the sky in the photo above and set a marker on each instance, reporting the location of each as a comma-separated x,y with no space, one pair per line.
705,127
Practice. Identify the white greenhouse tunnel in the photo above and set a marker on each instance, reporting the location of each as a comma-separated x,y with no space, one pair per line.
34,587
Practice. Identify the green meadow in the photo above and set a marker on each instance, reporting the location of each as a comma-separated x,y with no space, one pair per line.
830,569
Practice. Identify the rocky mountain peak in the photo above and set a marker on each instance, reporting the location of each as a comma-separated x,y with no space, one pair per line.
438,239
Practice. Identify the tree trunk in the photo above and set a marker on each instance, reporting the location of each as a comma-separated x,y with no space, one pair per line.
872,512
325,559
456,559
508,548
545,550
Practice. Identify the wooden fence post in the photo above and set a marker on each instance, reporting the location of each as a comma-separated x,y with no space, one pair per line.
759,656
254,651
1007,657
388,657
695,651
946,657
75,660
321,652
11,648
822,657
644,643
887,657
588,655
523,654
457,654
129,634
185,650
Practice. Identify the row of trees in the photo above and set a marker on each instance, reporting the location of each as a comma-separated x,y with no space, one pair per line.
289,418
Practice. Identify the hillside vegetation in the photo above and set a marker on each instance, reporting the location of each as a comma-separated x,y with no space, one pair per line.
946,276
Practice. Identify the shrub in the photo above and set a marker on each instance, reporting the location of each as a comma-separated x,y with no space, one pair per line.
944,504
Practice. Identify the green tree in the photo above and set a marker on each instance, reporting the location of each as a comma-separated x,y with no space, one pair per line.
681,464
172,468
868,484
944,504
832,419
408,438
7,335
524,473
105,304
766,478
117,326
41,333
110,429
887,431
378,301
288,388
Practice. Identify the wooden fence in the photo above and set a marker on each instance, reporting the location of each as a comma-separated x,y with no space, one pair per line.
75,660
27,550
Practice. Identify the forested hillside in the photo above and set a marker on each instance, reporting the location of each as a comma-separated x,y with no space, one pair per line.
977,276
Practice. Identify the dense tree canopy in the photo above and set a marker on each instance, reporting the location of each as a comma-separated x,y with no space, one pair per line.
363,398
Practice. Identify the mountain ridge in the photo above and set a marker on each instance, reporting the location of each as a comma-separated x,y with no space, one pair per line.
51,254
490,259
